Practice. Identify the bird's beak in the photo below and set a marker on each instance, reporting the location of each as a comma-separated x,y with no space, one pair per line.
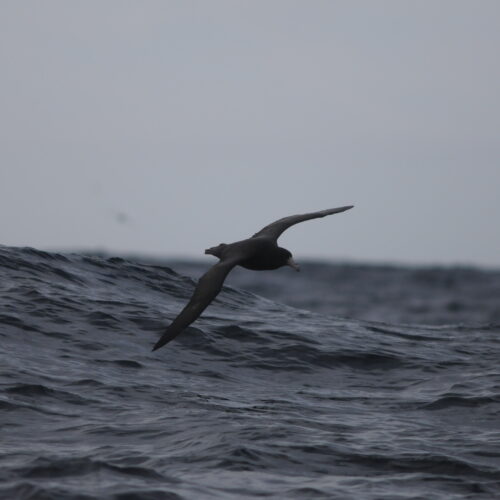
290,262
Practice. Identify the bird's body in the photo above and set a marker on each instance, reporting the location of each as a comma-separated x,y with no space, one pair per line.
265,255
258,253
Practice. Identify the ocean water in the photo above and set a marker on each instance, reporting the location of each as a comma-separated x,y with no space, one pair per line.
341,382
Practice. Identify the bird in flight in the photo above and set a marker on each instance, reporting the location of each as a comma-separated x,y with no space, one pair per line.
258,253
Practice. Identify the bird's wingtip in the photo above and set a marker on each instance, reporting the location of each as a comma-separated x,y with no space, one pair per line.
158,344
164,339
342,209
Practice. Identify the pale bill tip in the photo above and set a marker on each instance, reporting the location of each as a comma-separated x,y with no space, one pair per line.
290,262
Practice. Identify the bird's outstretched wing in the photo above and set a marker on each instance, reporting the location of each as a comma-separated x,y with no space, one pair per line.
209,285
275,229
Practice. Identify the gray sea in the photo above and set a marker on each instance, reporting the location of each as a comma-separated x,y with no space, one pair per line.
344,381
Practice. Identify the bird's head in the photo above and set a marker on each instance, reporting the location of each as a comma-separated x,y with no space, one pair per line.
288,260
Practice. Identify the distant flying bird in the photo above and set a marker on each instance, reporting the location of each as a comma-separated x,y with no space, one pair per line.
259,253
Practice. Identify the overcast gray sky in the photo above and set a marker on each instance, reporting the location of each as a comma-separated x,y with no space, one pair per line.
165,127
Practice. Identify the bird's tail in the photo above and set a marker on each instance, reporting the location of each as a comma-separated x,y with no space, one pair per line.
216,251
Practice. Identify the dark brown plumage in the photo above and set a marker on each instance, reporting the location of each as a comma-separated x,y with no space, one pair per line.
259,253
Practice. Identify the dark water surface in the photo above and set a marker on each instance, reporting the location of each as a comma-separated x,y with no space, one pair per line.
372,382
